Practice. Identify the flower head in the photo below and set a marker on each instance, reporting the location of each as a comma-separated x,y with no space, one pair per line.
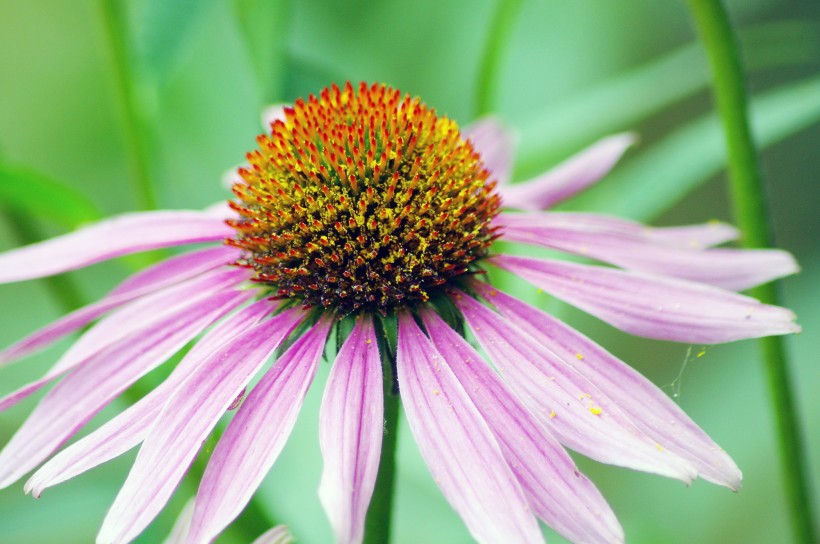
364,212
362,200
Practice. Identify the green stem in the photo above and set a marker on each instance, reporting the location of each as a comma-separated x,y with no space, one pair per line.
62,288
746,185
379,514
133,117
501,27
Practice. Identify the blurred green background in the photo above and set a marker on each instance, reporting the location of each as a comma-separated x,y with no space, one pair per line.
571,72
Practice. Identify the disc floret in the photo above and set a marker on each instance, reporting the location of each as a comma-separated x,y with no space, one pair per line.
362,199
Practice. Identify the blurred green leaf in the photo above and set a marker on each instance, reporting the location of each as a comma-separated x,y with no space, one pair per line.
161,29
38,195
659,177
264,26
630,97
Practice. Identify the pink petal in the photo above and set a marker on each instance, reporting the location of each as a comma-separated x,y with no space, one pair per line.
137,316
698,236
648,407
129,233
575,411
176,269
568,178
690,236
221,210
557,492
733,269
185,422
654,306
164,274
495,143
129,428
351,424
256,436
458,447
88,389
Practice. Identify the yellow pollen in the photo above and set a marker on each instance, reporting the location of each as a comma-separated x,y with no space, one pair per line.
362,199
596,411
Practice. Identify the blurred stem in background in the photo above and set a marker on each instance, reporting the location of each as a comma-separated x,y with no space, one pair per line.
501,27
61,288
751,215
133,111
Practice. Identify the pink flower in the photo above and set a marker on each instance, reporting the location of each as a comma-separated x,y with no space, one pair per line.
363,207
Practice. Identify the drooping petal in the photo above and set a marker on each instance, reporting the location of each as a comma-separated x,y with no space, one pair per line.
568,178
164,274
733,269
699,236
654,306
557,492
221,210
176,269
129,428
256,436
184,423
577,412
122,235
496,145
649,408
140,315
458,447
88,389
351,424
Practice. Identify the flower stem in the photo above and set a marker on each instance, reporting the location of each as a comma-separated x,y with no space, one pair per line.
135,130
379,514
746,186
501,27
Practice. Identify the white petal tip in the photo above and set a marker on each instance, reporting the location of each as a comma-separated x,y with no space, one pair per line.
231,177
732,481
35,486
625,139
271,114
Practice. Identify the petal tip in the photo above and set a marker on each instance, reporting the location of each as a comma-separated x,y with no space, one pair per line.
626,139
